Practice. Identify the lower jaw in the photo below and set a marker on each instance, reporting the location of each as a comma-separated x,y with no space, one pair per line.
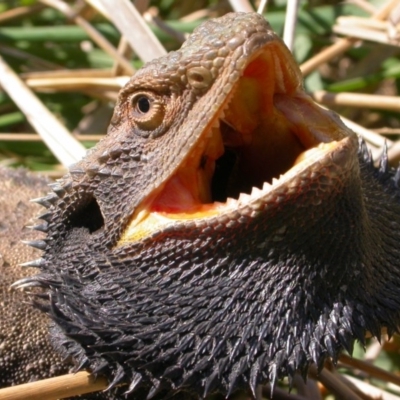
157,217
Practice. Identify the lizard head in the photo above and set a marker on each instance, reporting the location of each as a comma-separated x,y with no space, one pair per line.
217,238
245,130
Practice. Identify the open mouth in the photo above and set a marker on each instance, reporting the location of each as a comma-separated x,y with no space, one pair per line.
266,131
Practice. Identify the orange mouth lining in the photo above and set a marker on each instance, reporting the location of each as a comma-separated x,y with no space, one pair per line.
261,136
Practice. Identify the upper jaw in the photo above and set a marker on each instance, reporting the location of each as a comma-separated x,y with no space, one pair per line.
275,133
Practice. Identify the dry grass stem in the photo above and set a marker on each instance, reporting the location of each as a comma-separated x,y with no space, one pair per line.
196,15
387,131
357,100
32,137
96,36
355,388
151,17
68,73
241,5
19,12
327,54
292,11
125,50
55,388
333,384
262,8
371,391
373,139
74,84
385,10
374,349
308,389
366,34
125,16
343,44
361,22
394,17
97,83
370,369
67,149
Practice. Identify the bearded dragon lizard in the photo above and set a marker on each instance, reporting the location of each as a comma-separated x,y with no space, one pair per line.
226,232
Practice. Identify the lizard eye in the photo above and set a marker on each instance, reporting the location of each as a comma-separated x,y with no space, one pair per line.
147,111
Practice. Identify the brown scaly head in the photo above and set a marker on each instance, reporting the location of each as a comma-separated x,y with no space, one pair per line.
227,231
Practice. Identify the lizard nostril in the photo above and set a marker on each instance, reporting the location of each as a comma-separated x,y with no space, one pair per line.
88,215
199,77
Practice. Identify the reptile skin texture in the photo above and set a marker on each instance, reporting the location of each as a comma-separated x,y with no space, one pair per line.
26,353
25,350
288,277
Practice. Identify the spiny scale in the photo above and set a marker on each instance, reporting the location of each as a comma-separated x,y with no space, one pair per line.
75,170
58,189
384,161
93,170
46,216
46,201
41,228
37,244
25,283
39,262
365,152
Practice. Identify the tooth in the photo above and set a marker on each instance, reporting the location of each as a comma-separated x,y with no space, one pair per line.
274,181
244,197
266,186
255,192
231,201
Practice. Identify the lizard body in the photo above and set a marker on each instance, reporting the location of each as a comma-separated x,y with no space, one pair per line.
226,232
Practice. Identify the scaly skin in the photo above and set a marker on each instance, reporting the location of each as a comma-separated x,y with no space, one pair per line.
26,353
215,299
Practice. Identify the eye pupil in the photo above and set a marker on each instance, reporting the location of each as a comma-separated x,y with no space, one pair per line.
143,104
147,111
